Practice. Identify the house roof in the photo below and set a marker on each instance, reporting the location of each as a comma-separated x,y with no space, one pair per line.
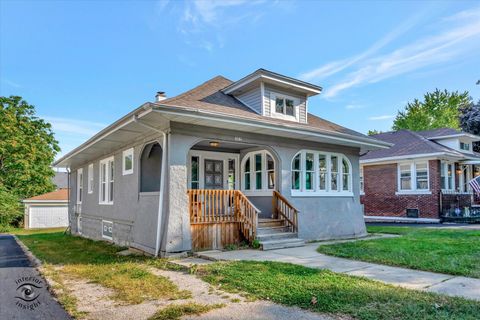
441,132
57,195
414,144
210,97
208,105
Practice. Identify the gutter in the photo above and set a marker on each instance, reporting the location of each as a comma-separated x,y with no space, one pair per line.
162,180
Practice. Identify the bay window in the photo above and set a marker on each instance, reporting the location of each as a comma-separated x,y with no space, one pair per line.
316,173
413,177
258,173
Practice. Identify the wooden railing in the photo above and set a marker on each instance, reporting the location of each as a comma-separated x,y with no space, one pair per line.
223,207
282,209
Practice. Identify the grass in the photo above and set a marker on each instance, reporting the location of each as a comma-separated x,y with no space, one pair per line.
450,251
328,292
22,231
98,262
176,311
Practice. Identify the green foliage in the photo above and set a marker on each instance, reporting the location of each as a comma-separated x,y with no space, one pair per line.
470,121
10,209
373,132
439,109
256,244
177,311
27,149
431,249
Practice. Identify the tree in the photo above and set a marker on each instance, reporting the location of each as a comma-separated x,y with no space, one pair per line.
373,132
27,149
439,109
470,121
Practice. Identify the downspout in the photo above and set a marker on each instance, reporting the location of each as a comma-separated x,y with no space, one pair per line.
162,180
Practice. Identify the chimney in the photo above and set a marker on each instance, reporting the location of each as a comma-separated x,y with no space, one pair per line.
160,96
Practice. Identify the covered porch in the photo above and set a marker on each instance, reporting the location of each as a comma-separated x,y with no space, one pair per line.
233,195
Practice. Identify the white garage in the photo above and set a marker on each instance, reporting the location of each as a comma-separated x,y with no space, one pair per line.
49,210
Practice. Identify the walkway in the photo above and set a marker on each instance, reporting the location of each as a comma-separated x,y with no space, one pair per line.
308,256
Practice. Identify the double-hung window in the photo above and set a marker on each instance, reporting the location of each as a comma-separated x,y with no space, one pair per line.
447,175
79,185
316,173
362,181
284,106
413,177
90,178
107,174
127,162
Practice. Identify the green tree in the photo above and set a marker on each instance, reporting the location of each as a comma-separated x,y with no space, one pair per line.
439,109
27,150
373,132
470,121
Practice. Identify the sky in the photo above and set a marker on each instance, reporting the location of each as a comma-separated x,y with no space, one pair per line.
85,64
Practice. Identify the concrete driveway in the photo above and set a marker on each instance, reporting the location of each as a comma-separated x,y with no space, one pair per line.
23,293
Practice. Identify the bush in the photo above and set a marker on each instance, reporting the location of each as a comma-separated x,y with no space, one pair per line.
11,213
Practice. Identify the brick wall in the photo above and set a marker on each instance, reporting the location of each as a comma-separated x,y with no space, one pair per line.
380,184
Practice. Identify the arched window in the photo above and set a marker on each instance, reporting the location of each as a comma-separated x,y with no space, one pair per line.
258,172
321,173
150,168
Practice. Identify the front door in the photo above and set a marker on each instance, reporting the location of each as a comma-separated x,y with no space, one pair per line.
213,174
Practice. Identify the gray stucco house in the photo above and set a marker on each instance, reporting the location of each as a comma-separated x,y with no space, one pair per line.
221,163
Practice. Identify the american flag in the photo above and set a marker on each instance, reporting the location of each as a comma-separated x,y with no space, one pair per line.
475,184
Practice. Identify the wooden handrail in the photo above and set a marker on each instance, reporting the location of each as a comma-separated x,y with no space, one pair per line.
282,207
219,206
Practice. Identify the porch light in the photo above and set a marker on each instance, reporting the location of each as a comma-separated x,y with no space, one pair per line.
214,144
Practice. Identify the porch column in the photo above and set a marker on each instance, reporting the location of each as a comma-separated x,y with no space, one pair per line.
177,236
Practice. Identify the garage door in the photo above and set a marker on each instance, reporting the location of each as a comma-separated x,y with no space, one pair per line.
48,217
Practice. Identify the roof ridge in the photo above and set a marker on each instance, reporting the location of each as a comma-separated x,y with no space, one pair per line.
195,89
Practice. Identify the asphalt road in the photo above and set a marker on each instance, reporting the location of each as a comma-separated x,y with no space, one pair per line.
23,292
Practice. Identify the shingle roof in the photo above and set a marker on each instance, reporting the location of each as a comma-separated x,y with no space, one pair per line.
409,143
208,96
439,132
60,194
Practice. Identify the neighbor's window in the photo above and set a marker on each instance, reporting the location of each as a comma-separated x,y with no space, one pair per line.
90,178
79,185
258,169
362,181
447,175
128,161
321,173
413,176
465,146
107,173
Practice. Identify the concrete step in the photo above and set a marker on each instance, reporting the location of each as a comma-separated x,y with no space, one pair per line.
276,236
270,230
263,223
282,244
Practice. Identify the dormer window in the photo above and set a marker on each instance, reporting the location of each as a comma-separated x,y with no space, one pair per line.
285,106
465,146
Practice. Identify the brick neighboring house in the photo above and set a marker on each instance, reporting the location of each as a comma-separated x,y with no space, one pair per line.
423,177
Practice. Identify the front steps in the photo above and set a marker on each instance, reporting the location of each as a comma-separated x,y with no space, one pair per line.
273,234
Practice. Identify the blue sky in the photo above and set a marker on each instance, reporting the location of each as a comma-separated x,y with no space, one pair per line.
84,64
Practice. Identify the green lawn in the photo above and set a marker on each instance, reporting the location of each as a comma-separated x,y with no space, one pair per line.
334,293
450,251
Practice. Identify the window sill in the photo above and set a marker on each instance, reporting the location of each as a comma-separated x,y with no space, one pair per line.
259,193
362,193
105,203
412,192
321,194
126,173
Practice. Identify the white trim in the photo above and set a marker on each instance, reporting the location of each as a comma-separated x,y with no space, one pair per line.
412,192
406,157
262,92
104,236
79,186
265,191
90,181
458,135
108,168
284,116
126,153
44,201
212,155
316,191
402,219
413,178
445,172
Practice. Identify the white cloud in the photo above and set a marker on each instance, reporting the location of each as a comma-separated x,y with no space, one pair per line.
73,126
446,45
383,117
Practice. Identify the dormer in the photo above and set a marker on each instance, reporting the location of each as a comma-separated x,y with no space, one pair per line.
273,95
459,141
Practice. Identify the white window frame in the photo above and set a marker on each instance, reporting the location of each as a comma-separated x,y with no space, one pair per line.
80,186
464,144
413,176
445,174
126,153
362,180
284,116
90,180
464,186
108,179
328,192
211,155
253,191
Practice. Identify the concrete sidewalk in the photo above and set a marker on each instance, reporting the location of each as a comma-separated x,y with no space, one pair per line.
308,256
